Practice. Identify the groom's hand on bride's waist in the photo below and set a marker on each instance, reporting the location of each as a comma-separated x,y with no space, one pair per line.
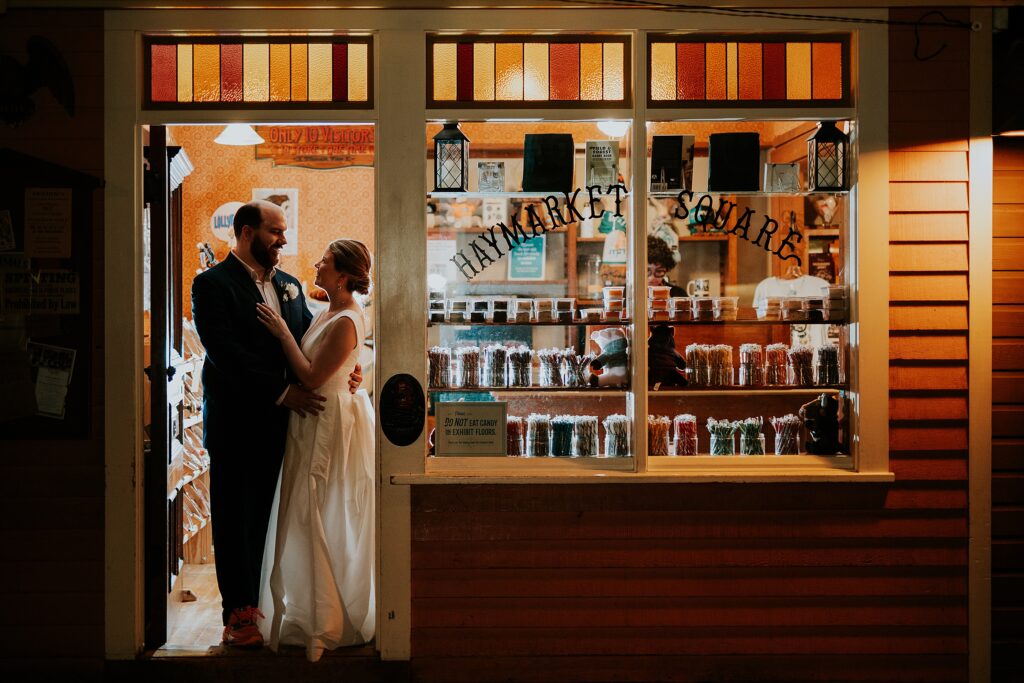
303,401
355,378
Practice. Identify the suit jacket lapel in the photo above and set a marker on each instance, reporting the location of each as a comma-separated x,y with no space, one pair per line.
287,307
239,272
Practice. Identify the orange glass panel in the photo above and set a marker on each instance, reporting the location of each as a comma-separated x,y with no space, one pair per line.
321,71
184,73
750,71
358,69
591,80
483,72
614,70
731,80
798,71
444,71
715,86
535,60
827,63
206,67
663,71
256,72
300,73
508,70
280,73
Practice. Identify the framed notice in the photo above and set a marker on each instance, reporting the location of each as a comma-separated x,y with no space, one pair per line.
288,199
526,262
470,429
48,222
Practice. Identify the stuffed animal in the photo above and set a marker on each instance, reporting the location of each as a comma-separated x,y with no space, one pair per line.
821,419
611,367
665,366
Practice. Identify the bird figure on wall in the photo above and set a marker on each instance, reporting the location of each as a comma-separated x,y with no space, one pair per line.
46,67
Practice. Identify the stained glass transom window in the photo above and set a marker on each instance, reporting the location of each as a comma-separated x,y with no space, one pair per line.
528,71
702,70
265,72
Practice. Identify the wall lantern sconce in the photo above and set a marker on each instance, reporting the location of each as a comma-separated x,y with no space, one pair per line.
826,159
451,159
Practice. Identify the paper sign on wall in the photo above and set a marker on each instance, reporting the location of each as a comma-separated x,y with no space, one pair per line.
526,262
470,428
48,222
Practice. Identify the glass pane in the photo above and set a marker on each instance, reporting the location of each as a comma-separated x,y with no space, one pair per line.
798,71
614,68
358,68
300,73
320,72
827,61
774,71
690,71
231,73
184,73
508,69
256,64
444,71
590,71
339,72
565,71
730,71
207,73
164,76
663,71
535,58
483,71
280,73
750,71
715,79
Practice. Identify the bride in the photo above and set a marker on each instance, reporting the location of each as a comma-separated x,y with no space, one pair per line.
318,585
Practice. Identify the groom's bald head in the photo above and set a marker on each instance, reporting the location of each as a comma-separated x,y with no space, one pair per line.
253,214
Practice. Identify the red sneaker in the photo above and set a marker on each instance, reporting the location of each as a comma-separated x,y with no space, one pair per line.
242,629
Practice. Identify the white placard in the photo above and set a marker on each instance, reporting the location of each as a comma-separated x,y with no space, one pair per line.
470,429
48,222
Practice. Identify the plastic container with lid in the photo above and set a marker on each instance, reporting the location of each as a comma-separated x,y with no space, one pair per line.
702,308
725,307
658,292
591,314
544,310
565,309
679,307
522,310
657,304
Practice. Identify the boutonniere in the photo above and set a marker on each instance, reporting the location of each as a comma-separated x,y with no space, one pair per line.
291,292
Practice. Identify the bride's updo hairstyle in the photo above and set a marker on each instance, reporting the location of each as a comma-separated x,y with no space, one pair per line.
352,258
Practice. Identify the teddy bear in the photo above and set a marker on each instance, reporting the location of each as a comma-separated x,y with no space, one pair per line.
611,367
665,366
821,420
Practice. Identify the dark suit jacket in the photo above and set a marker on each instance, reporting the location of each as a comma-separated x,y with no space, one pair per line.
245,371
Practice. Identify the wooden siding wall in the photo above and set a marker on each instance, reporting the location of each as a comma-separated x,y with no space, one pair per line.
1008,411
51,506
756,582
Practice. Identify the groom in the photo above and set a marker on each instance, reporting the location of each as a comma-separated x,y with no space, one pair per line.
247,393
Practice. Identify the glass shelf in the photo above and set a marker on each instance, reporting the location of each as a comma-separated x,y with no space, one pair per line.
547,391
748,321
512,323
672,194
523,195
748,391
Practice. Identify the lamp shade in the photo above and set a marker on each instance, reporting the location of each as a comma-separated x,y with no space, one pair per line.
238,134
451,159
826,158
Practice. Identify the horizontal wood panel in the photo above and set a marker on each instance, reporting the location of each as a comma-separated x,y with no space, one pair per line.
1007,554
1008,454
948,77
952,317
1008,522
927,166
1007,354
1008,187
1008,387
926,469
937,378
1008,421
904,48
928,287
1008,488
1008,220
1007,321
928,227
929,136
927,257
928,105
944,347
1008,287
928,197
1008,154
927,438
1007,253
928,408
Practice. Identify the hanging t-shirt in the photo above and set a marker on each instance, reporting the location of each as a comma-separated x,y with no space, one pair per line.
805,285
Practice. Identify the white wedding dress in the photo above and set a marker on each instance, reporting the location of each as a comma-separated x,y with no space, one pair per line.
318,585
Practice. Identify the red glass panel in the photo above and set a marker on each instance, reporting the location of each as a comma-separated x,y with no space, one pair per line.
164,76
565,71
231,73
775,71
339,90
690,71
464,72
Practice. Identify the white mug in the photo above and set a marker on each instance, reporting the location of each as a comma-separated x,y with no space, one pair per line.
699,287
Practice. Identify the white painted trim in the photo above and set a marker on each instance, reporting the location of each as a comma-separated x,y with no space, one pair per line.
979,399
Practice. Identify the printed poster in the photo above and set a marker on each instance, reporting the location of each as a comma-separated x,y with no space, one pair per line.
470,428
6,231
288,199
53,366
48,222
526,262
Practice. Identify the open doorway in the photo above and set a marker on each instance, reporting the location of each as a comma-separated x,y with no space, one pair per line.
322,178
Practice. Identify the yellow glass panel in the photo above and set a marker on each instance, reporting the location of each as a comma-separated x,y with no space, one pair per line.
508,70
663,71
614,68
444,71
591,78
535,57
256,72
280,73
714,74
300,73
483,71
321,68
798,71
358,68
731,79
206,65
184,73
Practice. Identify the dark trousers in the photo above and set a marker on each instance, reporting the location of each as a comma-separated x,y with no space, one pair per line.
243,479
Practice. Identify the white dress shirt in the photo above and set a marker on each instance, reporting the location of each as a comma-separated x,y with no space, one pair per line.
269,294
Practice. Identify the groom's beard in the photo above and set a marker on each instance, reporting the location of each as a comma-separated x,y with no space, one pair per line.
262,254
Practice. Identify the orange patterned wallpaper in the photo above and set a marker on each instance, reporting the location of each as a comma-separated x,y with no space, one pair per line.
332,203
